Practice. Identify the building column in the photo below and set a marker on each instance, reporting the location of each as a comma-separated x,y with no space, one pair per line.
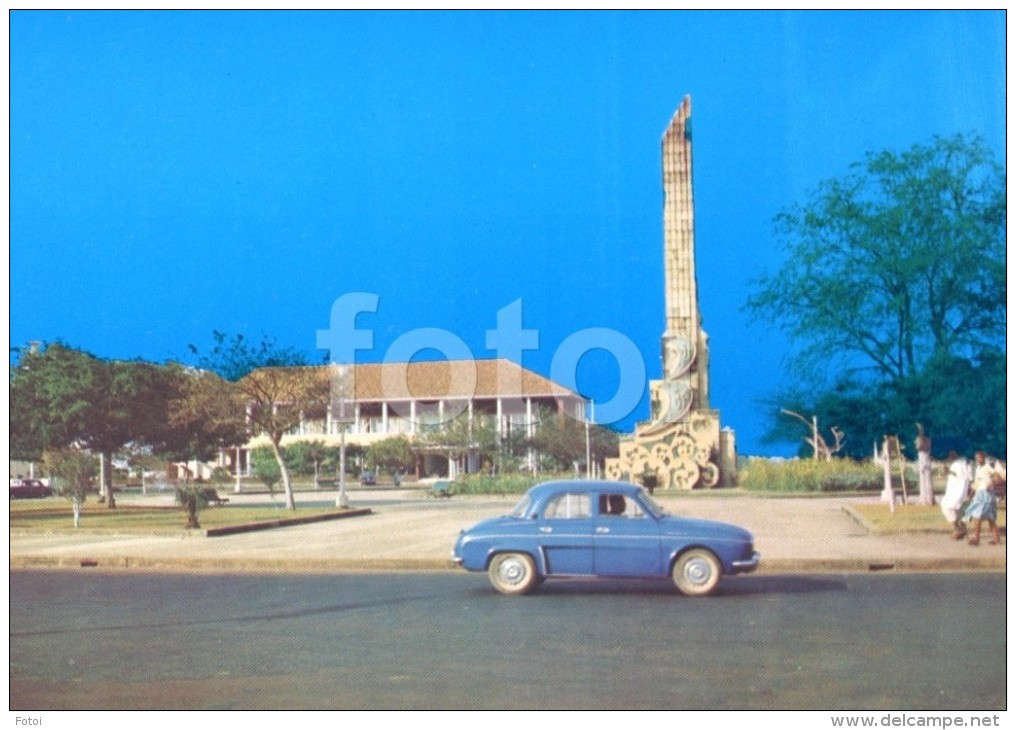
530,454
236,468
412,416
356,418
384,416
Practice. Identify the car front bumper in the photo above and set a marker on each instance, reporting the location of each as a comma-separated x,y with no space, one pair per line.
746,566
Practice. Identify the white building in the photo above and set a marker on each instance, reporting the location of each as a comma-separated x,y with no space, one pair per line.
390,399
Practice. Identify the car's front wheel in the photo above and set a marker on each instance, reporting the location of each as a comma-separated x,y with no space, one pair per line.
697,573
513,573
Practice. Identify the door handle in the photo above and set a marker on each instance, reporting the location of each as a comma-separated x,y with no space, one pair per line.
602,530
546,529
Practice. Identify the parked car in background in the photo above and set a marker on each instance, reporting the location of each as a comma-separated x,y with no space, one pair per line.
607,529
368,477
29,489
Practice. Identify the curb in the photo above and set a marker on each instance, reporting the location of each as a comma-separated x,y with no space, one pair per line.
889,565
286,522
860,519
866,524
234,565
366,565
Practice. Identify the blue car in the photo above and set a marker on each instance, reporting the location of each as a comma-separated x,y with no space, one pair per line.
609,529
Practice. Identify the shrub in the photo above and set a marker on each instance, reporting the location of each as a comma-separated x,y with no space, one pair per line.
837,475
265,467
501,484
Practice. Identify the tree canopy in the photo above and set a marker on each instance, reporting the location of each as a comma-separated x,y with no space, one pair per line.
64,397
893,289
273,385
392,454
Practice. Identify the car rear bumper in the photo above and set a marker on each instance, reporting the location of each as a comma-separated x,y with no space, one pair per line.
746,566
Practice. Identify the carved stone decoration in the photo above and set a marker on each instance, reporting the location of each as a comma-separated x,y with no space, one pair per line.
675,461
680,446
675,401
678,355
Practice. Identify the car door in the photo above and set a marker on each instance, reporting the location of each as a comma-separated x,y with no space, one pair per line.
565,533
626,539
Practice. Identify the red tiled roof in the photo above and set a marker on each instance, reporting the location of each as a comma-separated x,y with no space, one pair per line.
449,379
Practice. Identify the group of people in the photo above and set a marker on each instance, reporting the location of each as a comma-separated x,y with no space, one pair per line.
970,495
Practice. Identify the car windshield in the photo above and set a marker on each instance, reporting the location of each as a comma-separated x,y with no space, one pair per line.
652,505
521,507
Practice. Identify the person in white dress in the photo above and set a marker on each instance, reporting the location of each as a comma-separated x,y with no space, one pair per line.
957,486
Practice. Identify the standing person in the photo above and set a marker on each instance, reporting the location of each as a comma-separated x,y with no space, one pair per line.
923,443
956,487
984,505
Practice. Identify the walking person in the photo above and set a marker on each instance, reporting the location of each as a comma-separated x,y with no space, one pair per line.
957,486
984,505
923,443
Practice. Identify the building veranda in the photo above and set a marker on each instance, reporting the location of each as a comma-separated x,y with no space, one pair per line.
363,404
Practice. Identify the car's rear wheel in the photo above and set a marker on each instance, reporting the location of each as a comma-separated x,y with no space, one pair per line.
513,573
697,573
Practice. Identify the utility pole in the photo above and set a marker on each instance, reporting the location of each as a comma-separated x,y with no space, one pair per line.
341,500
342,392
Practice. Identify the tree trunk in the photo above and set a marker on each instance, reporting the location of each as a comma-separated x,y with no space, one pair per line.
191,503
107,478
287,484
925,495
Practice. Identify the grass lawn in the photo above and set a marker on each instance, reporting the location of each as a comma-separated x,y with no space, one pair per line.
56,515
910,518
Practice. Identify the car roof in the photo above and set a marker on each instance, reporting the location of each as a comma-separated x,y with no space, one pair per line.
541,491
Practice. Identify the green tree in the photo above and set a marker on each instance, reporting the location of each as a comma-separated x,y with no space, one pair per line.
307,457
563,441
265,467
960,402
275,383
392,454
205,415
66,397
460,436
332,459
895,266
72,472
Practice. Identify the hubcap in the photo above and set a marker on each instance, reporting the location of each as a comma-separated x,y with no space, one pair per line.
512,571
698,571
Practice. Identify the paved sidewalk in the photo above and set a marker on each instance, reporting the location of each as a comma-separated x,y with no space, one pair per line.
407,531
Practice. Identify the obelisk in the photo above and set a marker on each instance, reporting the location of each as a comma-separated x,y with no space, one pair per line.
681,446
685,358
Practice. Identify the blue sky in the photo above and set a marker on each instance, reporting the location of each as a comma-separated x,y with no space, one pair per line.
177,173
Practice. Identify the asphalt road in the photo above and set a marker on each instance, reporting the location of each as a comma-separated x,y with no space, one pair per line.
86,640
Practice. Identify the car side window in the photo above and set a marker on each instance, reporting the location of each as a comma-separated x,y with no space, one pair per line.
567,506
619,505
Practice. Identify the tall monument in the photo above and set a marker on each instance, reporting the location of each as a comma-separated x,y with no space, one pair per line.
681,446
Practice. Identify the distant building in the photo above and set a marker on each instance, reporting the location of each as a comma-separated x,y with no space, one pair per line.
404,399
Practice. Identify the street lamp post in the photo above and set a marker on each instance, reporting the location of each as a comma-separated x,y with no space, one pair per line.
341,392
341,500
